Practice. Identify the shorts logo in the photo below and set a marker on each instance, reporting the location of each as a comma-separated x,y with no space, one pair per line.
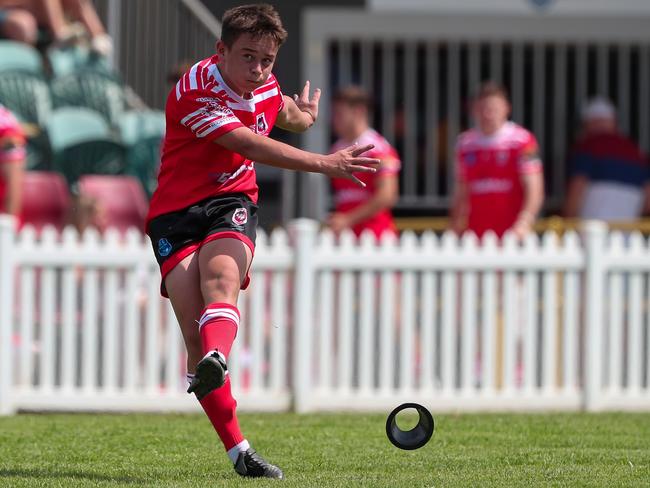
164,247
240,217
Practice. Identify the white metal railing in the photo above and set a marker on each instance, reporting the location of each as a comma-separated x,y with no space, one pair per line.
550,323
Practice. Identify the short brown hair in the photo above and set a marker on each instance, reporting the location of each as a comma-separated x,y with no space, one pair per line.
354,96
491,89
257,20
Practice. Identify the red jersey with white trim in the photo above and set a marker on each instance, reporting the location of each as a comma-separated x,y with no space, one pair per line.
492,167
348,195
12,146
201,108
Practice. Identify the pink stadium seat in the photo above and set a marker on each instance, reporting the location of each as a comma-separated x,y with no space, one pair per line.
121,200
45,199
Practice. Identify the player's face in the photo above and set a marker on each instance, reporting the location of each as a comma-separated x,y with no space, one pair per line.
599,125
247,64
346,118
491,113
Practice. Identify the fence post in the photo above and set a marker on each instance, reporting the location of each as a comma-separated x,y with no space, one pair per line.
7,236
303,232
595,269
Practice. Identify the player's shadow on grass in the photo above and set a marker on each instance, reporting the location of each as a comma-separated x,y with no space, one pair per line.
44,474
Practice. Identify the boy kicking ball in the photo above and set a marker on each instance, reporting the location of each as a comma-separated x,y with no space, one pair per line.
203,214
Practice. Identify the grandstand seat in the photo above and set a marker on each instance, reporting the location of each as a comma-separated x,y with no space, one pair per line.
141,133
27,95
45,199
81,143
77,59
17,56
94,90
121,199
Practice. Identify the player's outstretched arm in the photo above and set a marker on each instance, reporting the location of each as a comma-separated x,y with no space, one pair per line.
300,112
341,164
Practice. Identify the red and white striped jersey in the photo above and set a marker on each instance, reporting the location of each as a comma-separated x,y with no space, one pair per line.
200,109
492,167
348,195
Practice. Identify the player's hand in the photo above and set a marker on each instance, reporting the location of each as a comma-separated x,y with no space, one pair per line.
338,222
306,104
521,228
346,162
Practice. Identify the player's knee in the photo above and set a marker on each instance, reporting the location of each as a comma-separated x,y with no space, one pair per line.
222,285
21,26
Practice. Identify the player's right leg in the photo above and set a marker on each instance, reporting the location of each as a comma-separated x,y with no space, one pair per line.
182,284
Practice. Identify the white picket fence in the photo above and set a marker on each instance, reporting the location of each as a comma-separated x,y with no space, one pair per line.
549,323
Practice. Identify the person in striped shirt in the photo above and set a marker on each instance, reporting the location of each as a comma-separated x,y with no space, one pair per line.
203,214
609,174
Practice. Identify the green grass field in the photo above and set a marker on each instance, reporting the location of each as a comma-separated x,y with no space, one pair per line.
321,451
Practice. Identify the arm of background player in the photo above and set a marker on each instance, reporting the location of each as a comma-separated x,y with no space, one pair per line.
300,112
459,207
575,195
341,164
12,173
646,199
533,184
385,197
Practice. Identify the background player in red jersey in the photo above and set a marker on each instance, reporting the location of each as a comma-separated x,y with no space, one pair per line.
499,181
361,208
203,214
12,162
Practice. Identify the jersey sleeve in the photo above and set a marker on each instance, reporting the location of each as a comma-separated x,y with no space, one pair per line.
390,162
280,95
529,161
205,115
281,107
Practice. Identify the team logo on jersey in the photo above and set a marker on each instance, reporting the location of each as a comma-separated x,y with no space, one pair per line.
217,109
470,158
240,216
164,247
502,157
261,127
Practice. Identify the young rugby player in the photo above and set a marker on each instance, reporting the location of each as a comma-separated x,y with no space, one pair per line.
203,214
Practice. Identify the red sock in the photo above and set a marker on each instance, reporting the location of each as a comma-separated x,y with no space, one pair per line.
218,327
220,407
